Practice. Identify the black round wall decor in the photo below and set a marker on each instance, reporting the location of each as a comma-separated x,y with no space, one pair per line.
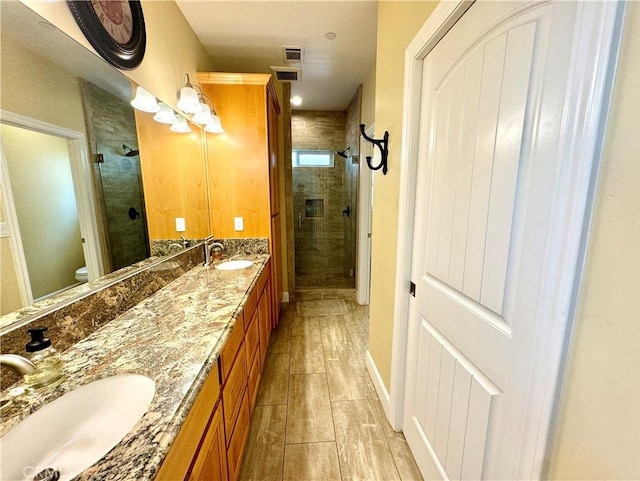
114,28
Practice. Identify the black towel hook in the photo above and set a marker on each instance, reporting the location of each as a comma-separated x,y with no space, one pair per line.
383,145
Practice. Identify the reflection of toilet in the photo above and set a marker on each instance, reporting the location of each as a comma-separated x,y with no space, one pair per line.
81,274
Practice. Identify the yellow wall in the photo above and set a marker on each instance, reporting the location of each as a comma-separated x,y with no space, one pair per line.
398,22
10,298
27,82
173,50
367,112
598,434
45,203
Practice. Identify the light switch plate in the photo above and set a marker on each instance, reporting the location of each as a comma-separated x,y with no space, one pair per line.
238,223
180,224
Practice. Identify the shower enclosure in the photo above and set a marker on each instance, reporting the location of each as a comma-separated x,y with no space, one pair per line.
123,202
324,205
113,139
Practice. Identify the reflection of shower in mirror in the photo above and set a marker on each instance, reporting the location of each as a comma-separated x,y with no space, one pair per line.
129,152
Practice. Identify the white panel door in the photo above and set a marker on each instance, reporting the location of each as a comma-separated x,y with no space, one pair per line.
492,98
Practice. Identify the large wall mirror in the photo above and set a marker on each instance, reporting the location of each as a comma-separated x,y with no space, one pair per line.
73,204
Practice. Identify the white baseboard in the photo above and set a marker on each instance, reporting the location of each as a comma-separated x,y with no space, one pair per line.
285,297
381,389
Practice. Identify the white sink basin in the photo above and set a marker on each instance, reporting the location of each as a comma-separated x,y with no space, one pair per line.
233,265
73,432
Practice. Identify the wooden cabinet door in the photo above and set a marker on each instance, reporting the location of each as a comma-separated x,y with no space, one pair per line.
211,462
272,140
185,447
276,269
265,312
235,451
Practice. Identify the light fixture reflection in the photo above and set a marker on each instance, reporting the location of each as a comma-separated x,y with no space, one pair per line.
144,101
166,115
189,101
180,126
204,116
296,100
214,126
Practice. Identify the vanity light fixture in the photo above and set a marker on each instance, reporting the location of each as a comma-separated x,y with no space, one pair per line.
214,126
189,101
166,115
202,117
144,101
180,126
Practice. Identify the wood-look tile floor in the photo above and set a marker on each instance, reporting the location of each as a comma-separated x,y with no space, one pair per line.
317,415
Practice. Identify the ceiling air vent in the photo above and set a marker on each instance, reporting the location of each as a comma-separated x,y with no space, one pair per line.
287,74
293,54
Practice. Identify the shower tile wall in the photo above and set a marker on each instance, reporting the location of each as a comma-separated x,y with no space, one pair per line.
110,124
320,245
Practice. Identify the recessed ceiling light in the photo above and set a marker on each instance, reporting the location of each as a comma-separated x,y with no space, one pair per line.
330,35
296,100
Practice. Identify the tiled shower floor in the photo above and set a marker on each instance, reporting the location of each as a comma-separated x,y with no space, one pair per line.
317,415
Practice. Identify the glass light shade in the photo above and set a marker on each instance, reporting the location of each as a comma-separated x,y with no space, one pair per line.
180,126
214,126
144,101
202,117
189,101
166,115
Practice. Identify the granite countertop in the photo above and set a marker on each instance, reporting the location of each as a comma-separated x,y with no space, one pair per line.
174,337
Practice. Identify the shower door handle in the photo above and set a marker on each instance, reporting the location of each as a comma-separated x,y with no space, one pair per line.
299,220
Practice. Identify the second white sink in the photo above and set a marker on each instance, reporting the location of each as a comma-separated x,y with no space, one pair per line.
76,430
234,265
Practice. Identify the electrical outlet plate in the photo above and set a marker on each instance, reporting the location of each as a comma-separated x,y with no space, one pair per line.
238,223
180,224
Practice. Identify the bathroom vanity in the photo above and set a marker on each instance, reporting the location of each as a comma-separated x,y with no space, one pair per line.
202,339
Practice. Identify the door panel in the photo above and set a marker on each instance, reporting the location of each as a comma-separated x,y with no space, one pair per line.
455,410
491,104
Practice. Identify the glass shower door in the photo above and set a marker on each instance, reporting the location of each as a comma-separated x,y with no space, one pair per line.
324,210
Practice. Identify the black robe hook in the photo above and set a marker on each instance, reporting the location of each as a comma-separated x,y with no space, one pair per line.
383,145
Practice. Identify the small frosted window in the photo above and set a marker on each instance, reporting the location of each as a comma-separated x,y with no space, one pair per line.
312,158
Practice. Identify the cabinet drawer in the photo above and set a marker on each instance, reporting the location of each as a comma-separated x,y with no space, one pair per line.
252,339
230,349
238,440
178,460
233,392
250,307
253,382
211,462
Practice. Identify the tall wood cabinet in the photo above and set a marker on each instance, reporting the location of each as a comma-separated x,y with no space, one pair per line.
243,163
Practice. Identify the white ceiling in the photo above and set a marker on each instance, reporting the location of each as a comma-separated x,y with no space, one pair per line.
248,36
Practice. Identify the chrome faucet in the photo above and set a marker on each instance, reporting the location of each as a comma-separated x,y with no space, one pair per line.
209,246
20,365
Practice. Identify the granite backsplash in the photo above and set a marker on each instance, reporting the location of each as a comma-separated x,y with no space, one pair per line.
74,321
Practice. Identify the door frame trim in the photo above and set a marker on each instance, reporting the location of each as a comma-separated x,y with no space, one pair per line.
82,183
588,92
363,266
15,239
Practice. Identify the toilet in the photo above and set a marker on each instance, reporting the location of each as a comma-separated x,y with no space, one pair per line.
82,275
